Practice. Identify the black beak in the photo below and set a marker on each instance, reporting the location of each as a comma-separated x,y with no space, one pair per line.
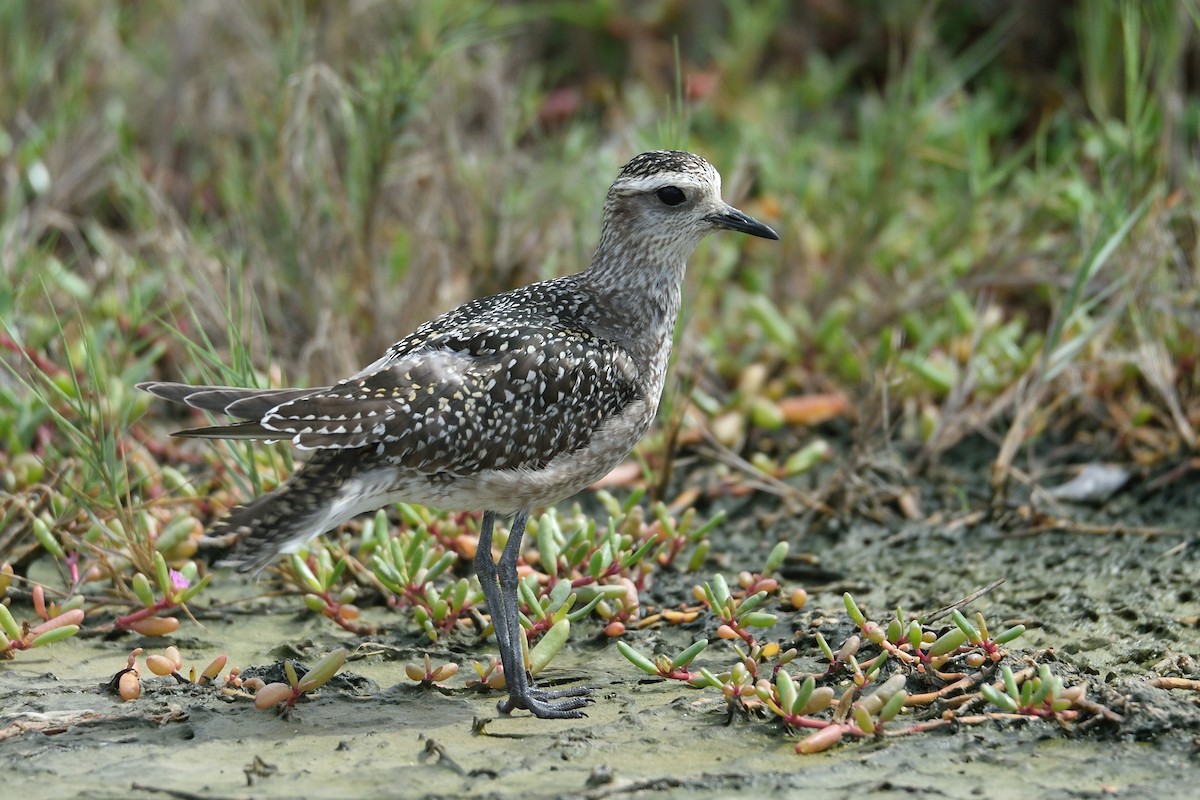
735,220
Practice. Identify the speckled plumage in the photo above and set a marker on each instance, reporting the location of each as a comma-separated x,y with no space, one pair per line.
501,405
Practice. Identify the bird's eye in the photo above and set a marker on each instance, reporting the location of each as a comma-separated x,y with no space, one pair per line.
671,195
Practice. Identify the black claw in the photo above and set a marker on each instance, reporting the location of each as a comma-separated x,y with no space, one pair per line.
544,710
537,702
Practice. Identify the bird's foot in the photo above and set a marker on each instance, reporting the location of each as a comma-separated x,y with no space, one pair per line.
549,703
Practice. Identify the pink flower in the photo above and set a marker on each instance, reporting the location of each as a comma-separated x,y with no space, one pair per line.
178,581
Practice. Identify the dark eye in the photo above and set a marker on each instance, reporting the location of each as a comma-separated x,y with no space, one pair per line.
671,195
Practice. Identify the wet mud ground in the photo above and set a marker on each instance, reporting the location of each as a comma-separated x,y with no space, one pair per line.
1111,609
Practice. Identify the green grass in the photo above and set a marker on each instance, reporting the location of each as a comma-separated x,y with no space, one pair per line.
987,225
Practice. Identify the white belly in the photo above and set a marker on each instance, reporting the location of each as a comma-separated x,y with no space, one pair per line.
502,491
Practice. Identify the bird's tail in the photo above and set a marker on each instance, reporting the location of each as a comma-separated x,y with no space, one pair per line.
320,495
316,498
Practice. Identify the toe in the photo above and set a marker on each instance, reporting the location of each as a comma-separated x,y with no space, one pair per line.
550,704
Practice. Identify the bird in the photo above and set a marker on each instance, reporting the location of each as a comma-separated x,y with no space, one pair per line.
505,404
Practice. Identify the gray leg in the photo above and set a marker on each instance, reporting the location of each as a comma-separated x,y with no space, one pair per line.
485,568
499,583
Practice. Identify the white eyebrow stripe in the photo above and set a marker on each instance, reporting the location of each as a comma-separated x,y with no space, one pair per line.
647,183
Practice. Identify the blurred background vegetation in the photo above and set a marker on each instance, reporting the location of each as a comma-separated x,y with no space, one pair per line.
988,210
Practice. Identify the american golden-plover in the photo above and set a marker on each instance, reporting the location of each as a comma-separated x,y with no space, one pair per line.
501,405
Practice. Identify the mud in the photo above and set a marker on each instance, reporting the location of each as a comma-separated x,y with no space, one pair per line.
1112,609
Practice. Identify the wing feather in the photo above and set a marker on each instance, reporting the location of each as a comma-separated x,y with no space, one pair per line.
476,403
506,382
